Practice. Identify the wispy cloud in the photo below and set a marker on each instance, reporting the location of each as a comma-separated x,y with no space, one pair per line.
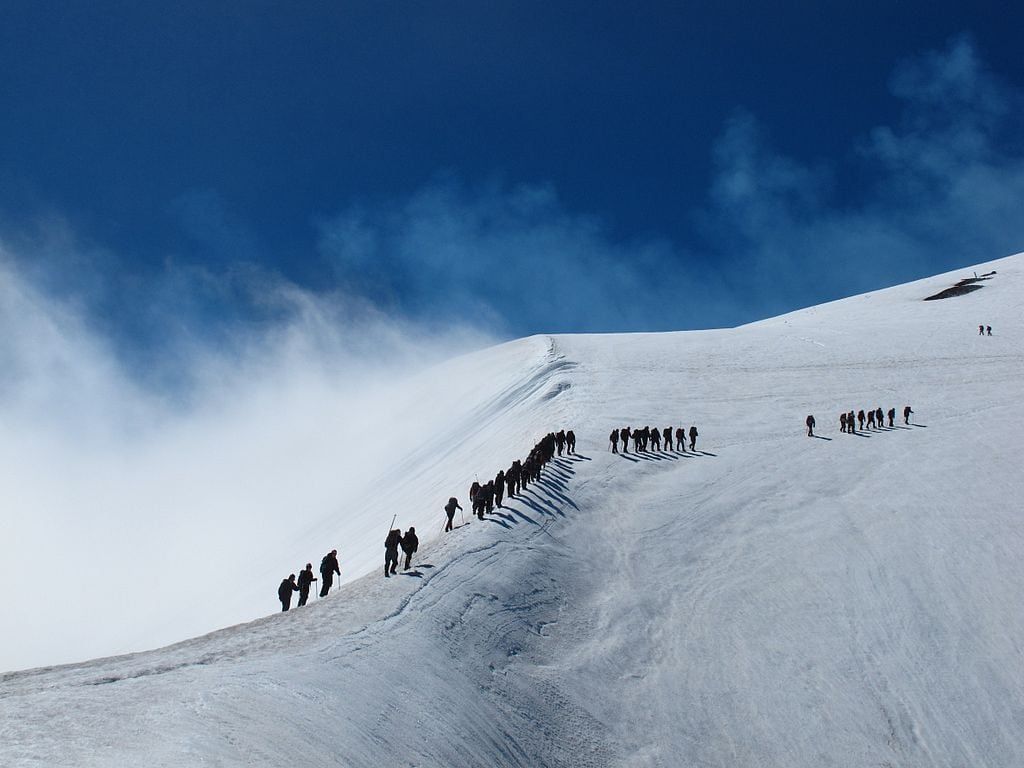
510,259
940,188
125,503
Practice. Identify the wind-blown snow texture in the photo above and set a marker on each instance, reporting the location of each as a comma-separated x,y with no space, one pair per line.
775,600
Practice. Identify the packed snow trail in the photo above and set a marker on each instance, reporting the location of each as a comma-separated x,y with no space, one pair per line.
771,600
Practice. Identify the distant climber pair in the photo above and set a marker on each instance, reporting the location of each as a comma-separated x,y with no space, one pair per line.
409,544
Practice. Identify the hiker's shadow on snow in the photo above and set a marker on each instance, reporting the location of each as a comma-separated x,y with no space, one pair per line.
537,505
715,455
424,565
502,523
629,458
901,427
860,434
563,498
922,426
659,456
549,507
414,574
555,478
518,513
819,437
577,457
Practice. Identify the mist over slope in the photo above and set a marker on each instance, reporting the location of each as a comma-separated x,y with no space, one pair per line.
770,600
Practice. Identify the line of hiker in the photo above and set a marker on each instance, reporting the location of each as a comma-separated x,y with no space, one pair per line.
483,498
850,422
328,567
653,437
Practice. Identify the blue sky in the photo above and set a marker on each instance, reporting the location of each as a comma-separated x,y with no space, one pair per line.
523,167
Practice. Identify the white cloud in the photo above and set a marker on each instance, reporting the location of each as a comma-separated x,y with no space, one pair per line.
131,513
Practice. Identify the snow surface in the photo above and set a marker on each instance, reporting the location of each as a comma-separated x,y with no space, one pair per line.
774,600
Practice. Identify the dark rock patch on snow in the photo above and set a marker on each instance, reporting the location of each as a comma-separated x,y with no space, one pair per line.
967,285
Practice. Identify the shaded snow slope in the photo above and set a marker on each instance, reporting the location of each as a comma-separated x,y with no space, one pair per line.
772,600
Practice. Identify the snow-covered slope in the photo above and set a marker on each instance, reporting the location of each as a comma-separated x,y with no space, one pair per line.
773,600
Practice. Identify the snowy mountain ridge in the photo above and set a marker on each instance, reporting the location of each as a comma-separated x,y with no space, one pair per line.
769,600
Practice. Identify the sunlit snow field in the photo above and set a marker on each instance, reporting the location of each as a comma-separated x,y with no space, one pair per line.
773,600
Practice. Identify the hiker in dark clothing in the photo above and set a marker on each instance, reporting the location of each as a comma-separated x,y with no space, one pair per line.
488,491
871,418
499,487
693,438
879,418
667,438
570,441
306,579
624,434
391,544
842,421
449,509
906,415
681,439
655,439
988,328
981,330
328,567
613,438
851,424
517,477
410,543
284,592
810,425
474,489
560,441
892,415
546,448
478,504
638,440
860,419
